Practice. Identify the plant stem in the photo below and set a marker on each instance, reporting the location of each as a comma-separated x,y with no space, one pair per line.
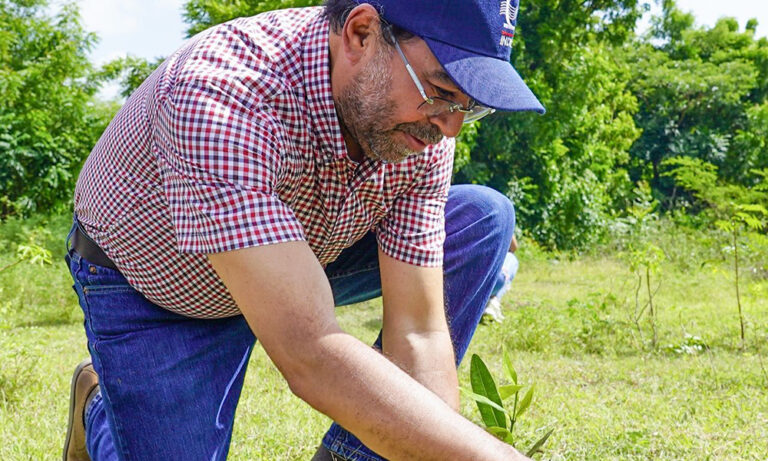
651,312
762,367
736,271
637,315
512,418
8,266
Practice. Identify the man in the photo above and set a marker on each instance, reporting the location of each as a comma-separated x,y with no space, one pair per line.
270,169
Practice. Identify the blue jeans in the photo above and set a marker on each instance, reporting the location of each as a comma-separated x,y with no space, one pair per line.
170,384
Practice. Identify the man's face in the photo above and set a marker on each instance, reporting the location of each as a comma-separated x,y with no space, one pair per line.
380,106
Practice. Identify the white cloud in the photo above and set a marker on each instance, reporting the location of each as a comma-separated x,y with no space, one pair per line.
110,17
144,28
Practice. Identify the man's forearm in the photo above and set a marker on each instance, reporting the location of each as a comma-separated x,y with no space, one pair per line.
338,374
388,410
415,333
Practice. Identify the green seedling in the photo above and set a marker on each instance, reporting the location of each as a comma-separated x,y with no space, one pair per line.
751,217
644,257
498,418
736,209
31,253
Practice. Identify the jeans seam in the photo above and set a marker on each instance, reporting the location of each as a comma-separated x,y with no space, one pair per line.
120,445
353,272
110,288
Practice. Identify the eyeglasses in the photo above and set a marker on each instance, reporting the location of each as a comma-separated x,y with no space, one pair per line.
435,105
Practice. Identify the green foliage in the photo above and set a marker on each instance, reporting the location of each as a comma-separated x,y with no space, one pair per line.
48,123
691,345
465,143
642,254
202,14
735,209
31,252
34,281
702,93
750,145
490,403
720,201
564,170
129,71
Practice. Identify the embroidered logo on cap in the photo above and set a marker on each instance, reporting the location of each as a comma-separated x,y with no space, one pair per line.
509,10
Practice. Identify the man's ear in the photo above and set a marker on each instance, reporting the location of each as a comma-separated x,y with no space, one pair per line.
360,32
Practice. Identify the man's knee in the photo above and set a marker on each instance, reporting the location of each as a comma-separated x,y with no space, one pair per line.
481,206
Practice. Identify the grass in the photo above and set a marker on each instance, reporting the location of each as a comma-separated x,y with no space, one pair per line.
568,329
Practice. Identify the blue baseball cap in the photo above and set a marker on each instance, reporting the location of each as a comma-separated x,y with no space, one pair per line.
472,39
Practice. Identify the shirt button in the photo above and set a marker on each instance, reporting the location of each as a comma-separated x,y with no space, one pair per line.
92,269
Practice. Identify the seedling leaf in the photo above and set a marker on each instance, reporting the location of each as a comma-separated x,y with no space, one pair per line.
539,443
502,433
525,403
511,373
483,399
483,384
509,390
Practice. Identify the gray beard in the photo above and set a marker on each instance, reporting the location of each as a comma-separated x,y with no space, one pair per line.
366,114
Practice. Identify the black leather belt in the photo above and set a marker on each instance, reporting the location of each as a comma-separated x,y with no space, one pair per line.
87,248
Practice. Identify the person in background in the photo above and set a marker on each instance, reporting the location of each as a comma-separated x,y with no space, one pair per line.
503,283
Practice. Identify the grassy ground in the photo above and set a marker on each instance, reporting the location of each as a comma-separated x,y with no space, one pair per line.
599,383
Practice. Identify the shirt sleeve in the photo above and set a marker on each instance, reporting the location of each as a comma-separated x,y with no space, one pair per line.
414,229
219,156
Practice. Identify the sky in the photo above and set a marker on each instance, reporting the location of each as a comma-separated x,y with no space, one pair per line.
153,28
144,28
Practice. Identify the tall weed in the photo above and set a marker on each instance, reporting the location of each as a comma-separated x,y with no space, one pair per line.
37,293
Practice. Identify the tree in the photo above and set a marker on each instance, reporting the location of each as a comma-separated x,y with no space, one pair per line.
733,208
202,14
564,170
48,122
701,93
129,71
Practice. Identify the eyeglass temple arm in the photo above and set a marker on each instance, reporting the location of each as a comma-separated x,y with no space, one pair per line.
408,67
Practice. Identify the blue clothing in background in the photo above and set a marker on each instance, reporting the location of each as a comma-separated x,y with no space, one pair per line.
506,275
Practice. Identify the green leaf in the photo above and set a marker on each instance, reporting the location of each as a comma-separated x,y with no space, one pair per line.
483,399
483,384
753,208
511,373
525,403
509,390
539,443
501,433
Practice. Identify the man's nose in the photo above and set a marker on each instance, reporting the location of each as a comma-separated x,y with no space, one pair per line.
448,122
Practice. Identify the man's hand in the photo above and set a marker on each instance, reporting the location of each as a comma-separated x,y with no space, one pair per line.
284,295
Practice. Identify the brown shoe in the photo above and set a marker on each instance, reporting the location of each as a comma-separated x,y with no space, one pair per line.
85,383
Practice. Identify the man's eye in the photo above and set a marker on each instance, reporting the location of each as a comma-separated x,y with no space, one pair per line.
443,93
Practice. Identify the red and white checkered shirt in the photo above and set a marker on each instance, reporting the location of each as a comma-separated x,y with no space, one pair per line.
234,142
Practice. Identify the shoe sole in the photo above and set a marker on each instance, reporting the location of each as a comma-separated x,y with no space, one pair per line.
71,421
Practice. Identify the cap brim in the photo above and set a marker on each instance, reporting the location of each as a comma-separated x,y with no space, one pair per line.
489,81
